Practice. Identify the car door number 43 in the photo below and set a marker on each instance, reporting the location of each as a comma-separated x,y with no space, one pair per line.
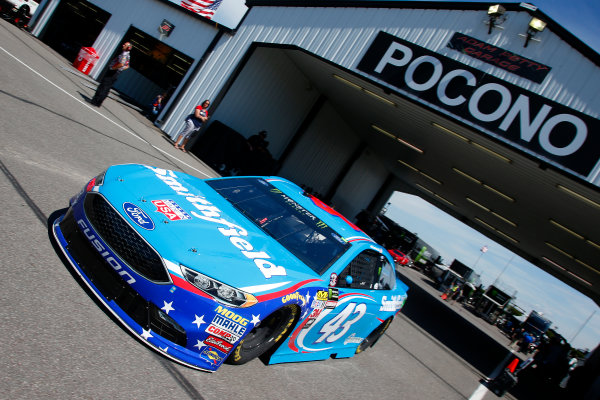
341,322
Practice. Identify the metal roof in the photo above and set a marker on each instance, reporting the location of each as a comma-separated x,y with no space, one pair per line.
558,29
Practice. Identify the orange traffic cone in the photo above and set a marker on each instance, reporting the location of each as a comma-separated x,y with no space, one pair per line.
513,365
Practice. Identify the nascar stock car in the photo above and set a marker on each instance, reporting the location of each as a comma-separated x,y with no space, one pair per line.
228,269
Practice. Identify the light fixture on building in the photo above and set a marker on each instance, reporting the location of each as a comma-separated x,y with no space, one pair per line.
445,200
392,136
364,90
498,231
564,228
479,146
557,265
499,193
407,165
492,152
564,253
431,178
436,195
485,185
496,17
471,178
536,25
492,212
577,195
575,234
470,200
443,128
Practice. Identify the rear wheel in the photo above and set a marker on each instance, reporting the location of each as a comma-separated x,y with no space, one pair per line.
264,336
373,336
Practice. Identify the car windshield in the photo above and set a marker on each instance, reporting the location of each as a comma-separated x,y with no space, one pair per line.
294,227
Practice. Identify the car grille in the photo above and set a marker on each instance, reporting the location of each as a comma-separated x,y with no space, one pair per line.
124,240
113,287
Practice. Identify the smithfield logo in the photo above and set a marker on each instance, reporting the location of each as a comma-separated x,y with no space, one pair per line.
395,303
209,212
138,216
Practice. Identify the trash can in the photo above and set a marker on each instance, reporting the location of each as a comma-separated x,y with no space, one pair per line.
86,59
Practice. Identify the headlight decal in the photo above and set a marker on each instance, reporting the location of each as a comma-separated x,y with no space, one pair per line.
218,290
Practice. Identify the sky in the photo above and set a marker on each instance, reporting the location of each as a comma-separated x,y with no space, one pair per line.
580,17
573,315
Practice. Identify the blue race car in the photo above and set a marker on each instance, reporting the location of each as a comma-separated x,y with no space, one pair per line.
228,269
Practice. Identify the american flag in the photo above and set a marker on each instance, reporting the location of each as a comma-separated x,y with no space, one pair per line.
205,8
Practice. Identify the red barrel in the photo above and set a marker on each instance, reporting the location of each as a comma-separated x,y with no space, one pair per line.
86,59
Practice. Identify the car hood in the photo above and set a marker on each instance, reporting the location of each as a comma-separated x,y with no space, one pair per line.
191,225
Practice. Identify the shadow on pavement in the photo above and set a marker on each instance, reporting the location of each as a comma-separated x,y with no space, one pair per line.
472,344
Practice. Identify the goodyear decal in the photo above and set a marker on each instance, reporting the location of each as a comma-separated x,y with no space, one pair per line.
293,296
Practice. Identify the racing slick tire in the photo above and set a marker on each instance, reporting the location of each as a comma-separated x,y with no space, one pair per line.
264,336
374,336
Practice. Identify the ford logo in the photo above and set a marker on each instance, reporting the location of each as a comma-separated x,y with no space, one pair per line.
138,216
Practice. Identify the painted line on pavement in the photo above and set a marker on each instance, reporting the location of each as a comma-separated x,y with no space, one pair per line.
102,115
482,389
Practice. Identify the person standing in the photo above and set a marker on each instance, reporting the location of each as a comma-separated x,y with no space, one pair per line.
193,123
155,107
119,64
258,142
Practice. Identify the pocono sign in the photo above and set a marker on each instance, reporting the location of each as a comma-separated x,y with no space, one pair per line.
551,131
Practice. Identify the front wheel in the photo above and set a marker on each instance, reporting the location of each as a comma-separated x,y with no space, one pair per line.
373,336
267,334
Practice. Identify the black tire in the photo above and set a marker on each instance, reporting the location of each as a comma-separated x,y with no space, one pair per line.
374,336
263,337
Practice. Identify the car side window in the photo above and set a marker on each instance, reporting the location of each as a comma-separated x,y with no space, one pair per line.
363,272
387,276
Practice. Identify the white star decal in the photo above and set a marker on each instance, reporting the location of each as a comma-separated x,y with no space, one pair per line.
307,297
199,320
304,314
199,345
167,307
255,319
146,334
